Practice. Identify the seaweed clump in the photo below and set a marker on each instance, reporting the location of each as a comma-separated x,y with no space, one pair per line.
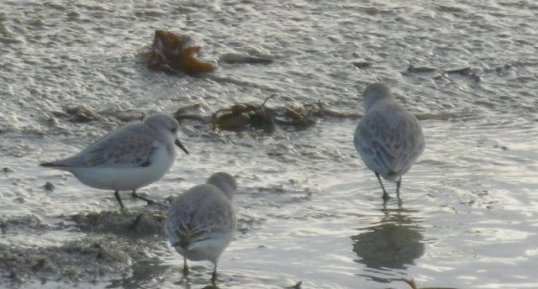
242,116
259,117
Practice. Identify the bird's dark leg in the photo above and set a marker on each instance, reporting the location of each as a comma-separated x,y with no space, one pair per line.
149,201
385,194
185,277
214,275
398,184
135,195
118,198
185,266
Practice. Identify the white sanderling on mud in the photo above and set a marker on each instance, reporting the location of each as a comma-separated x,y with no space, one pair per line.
388,138
201,222
127,158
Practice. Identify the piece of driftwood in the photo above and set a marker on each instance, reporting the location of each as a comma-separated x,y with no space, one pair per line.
174,53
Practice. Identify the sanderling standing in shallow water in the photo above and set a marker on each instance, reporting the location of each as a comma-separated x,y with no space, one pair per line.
128,157
201,222
388,138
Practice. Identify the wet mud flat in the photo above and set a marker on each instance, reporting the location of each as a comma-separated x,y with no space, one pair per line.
110,248
469,77
107,244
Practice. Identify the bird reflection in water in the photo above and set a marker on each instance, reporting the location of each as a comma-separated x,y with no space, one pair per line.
393,243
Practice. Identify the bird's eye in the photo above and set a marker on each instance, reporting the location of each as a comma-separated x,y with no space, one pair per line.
174,130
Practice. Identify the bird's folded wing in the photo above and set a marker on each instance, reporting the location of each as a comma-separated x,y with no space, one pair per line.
387,142
130,146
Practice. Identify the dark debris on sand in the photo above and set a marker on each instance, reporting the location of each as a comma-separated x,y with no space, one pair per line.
260,117
132,223
87,259
465,71
113,243
239,117
28,222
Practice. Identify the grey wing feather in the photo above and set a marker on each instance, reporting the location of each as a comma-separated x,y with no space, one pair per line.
198,213
128,146
370,147
389,143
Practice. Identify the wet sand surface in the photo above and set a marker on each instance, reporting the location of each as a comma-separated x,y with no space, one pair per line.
308,208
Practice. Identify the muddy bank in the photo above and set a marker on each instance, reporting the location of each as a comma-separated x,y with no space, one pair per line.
105,244
122,248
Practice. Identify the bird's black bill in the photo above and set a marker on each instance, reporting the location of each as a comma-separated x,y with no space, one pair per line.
181,146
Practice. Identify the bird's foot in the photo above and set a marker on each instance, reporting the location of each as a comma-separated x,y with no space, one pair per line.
148,201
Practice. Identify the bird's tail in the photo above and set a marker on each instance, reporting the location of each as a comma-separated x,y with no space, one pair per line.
50,165
391,175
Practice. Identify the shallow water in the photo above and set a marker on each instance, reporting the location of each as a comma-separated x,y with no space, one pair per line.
309,210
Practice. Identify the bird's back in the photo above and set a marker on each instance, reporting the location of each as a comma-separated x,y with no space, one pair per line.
199,213
127,146
389,139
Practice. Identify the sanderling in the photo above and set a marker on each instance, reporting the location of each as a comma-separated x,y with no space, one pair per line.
388,138
201,222
126,158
